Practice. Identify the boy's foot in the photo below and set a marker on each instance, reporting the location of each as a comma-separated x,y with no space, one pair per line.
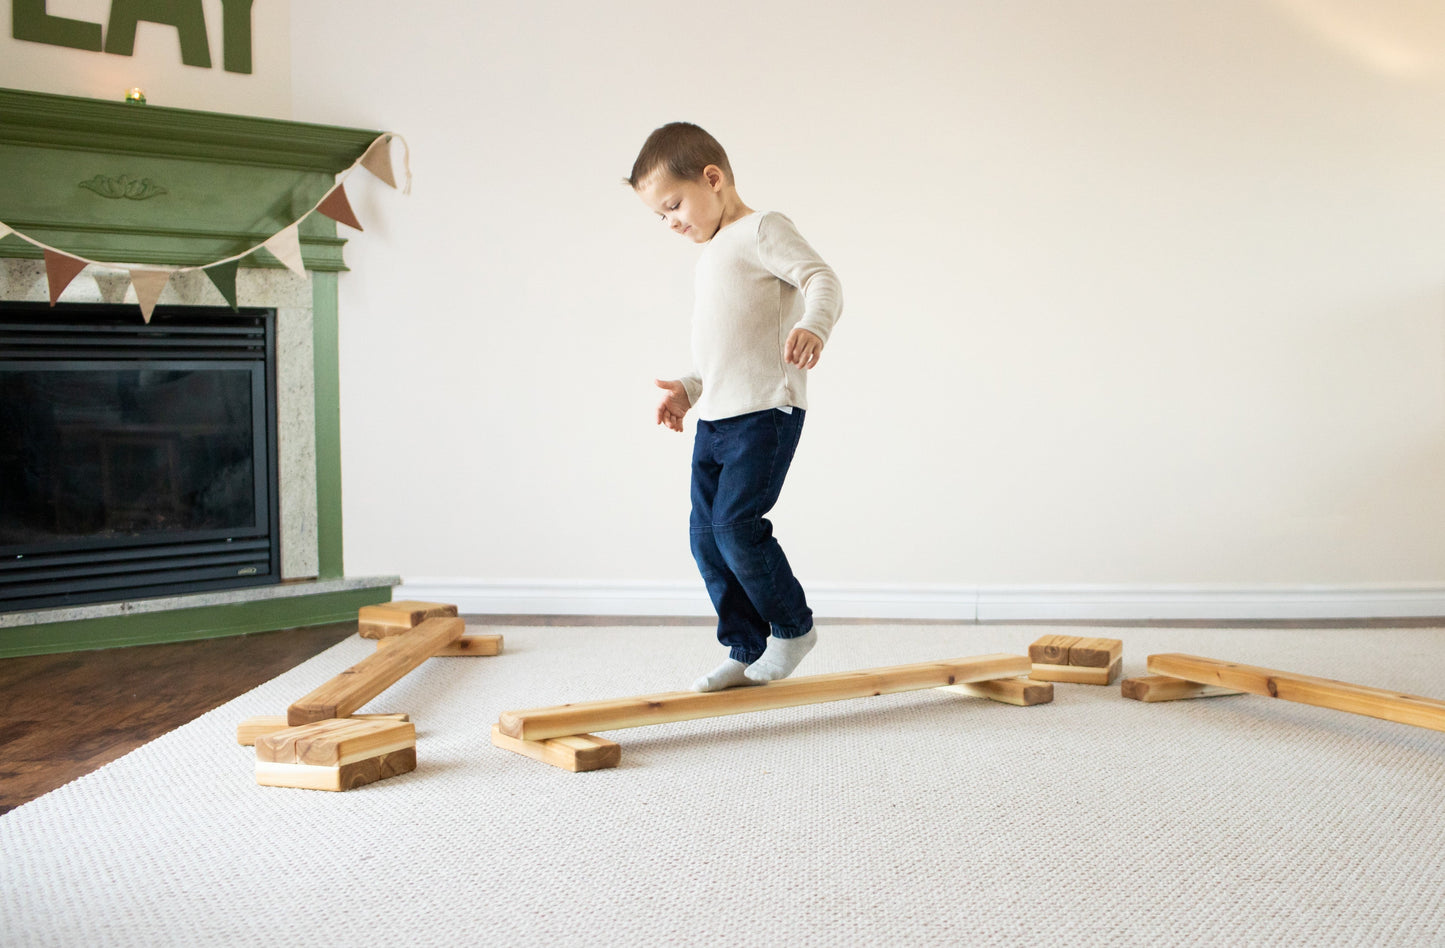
781,657
729,674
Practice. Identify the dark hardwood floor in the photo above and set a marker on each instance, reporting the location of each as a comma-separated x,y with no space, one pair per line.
62,716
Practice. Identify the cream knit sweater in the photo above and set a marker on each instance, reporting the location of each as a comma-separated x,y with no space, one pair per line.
756,280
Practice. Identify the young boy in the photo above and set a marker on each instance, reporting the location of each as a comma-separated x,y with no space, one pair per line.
764,305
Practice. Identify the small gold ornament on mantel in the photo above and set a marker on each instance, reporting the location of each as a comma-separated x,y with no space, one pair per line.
135,96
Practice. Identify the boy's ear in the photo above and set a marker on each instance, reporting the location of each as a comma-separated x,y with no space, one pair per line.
714,177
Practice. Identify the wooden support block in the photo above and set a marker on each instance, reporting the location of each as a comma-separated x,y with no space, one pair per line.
1304,689
1052,649
541,723
376,672
1017,691
1095,653
575,752
252,728
466,645
1162,688
336,754
394,618
1077,674
343,777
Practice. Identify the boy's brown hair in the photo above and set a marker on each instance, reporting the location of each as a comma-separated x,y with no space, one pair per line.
682,150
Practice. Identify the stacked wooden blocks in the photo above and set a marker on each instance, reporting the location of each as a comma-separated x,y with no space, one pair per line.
319,745
1077,660
389,619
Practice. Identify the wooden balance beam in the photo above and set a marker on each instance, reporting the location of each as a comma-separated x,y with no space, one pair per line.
376,672
524,731
1304,689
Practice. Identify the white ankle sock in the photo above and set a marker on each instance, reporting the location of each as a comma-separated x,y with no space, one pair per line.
781,657
727,675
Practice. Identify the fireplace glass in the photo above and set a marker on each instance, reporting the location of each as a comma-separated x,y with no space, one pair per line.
135,460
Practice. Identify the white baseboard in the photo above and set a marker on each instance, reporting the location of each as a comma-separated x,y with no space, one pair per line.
959,603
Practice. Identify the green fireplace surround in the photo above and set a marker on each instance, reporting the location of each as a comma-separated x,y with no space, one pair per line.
229,182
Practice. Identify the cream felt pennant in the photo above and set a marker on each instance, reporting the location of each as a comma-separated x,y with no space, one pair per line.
286,247
148,286
377,160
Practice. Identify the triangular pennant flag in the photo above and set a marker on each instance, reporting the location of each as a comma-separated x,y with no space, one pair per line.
223,275
286,246
338,208
60,270
377,160
5,229
148,286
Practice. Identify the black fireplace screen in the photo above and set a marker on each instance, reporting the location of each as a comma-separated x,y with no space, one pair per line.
135,460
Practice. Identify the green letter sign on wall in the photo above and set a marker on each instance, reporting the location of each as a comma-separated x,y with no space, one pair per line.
31,21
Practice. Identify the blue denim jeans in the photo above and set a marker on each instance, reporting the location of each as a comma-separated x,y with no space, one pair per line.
738,466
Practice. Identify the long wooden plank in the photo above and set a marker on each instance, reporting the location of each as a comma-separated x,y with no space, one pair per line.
1304,689
469,645
539,724
376,672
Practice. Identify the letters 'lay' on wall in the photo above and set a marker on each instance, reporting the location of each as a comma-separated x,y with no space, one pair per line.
32,22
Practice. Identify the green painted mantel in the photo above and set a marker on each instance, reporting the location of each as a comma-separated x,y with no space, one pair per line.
130,183
126,183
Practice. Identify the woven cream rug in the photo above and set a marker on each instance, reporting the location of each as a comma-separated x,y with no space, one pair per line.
914,819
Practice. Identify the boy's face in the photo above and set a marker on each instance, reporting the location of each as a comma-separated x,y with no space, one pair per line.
692,208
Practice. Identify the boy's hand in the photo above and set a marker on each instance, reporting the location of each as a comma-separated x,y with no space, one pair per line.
803,349
674,404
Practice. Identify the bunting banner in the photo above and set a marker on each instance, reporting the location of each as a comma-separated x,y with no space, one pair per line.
338,208
286,247
223,276
148,285
62,268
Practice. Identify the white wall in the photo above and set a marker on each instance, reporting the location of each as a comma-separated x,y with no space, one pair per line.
1139,292
156,64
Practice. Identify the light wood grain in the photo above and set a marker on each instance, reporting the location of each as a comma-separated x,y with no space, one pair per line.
1022,692
541,723
576,752
262,724
343,777
1077,674
1304,689
1162,688
468,645
335,742
1095,653
393,618
372,675
1052,649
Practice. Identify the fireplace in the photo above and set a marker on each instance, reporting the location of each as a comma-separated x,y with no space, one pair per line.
192,489
135,460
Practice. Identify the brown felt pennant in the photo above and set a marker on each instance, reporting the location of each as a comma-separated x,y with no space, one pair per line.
60,270
338,208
